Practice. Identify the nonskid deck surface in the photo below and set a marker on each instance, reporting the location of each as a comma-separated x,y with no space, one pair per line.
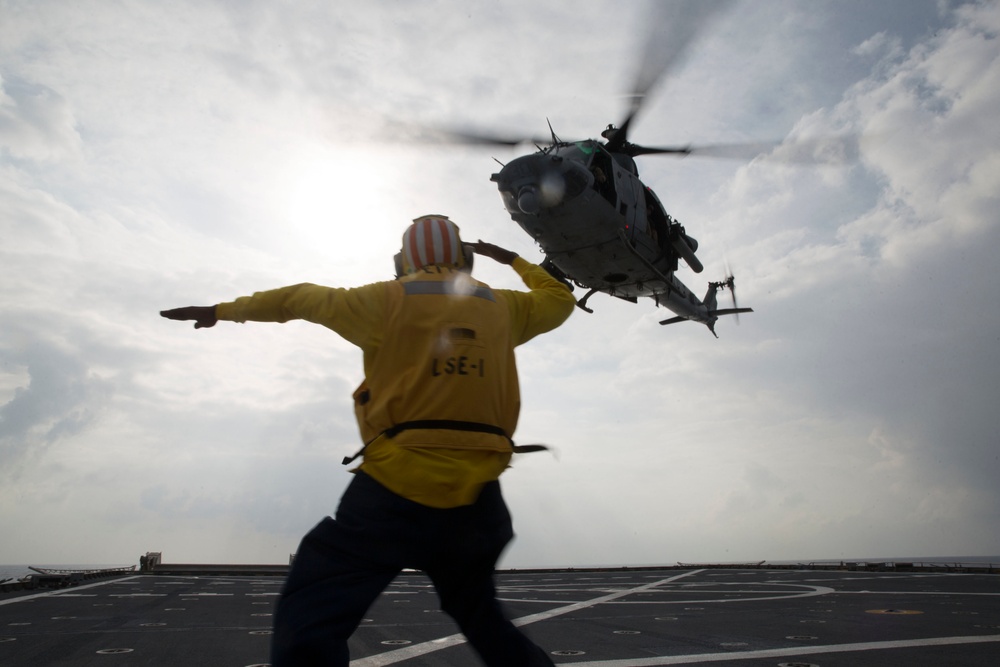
615,618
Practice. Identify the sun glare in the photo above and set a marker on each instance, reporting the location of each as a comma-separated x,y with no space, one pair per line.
340,203
326,188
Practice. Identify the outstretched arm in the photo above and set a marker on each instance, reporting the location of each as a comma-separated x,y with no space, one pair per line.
357,314
203,316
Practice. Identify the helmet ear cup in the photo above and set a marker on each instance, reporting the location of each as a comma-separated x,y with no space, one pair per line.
469,255
398,261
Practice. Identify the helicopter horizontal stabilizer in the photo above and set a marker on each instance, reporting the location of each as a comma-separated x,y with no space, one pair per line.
674,320
730,311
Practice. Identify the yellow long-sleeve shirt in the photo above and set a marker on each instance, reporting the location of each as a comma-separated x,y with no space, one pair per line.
435,467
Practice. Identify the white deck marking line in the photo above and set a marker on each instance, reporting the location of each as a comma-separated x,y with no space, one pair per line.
812,592
401,654
788,652
57,593
559,611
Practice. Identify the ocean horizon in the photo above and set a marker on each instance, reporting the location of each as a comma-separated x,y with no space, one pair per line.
21,571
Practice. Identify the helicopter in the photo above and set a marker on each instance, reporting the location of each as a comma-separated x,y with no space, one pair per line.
603,230
599,226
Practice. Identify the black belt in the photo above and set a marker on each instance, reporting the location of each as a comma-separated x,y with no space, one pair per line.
448,425
445,425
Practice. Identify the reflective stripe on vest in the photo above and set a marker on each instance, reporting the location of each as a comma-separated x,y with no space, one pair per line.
445,288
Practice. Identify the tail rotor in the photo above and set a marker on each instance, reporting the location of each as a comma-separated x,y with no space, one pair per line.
730,284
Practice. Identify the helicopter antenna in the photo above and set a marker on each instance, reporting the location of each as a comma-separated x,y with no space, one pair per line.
555,139
499,162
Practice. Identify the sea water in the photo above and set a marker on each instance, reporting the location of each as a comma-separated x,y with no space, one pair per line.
21,571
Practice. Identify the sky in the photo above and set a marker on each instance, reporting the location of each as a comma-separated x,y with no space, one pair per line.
154,156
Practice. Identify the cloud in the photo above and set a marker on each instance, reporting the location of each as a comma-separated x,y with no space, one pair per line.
59,401
852,412
36,123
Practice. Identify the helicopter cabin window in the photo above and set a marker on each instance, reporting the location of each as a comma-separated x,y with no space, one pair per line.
627,162
656,223
603,170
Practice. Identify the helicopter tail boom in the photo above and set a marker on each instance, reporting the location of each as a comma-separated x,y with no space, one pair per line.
712,314
709,313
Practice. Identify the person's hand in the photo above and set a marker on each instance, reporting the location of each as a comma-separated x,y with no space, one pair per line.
494,252
203,316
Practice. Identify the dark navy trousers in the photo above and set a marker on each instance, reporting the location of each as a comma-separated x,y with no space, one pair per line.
343,564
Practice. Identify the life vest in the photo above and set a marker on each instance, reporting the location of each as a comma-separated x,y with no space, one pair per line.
444,375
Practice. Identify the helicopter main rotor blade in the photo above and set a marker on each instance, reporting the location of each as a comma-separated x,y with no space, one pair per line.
393,131
633,151
476,138
673,28
831,150
736,151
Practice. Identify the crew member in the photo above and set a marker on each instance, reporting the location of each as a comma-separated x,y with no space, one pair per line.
437,411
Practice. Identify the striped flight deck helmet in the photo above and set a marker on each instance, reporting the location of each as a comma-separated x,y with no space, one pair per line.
432,239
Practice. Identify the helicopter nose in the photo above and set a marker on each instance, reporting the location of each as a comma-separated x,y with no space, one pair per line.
546,190
534,183
528,200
